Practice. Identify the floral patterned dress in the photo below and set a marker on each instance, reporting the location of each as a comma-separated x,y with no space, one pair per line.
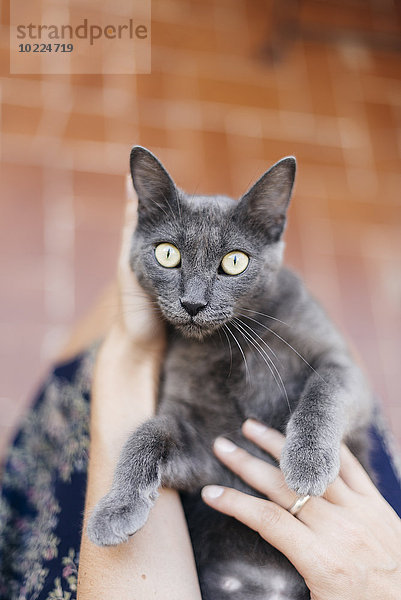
44,480
43,490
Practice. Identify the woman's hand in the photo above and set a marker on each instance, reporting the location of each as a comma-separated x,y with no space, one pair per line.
139,317
346,544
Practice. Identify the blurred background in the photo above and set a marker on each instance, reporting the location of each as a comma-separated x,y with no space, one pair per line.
235,85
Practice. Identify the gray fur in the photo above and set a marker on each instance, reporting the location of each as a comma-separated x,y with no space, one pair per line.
219,371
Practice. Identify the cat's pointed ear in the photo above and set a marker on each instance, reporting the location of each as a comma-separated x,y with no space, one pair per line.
265,203
157,194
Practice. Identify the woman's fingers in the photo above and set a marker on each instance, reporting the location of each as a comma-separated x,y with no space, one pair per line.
353,474
130,221
275,524
269,480
257,473
272,441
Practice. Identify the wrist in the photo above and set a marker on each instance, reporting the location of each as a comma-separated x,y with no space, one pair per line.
124,388
132,347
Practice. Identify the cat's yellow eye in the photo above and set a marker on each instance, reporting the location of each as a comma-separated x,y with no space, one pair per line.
235,262
167,255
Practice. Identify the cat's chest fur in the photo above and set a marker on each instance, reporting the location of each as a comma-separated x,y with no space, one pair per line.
231,376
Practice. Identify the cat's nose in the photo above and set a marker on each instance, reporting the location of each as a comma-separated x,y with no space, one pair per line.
193,308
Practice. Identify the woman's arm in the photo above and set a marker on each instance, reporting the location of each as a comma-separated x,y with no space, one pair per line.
157,562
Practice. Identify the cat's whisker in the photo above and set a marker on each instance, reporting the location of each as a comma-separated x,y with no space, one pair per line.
231,351
152,307
247,374
170,207
134,294
193,194
124,308
137,295
177,197
134,299
134,302
265,358
258,336
287,344
162,209
255,312
262,343
132,310
249,341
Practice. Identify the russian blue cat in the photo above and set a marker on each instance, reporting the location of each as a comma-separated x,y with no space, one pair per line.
245,339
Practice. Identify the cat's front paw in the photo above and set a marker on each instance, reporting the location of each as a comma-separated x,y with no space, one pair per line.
309,468
114,520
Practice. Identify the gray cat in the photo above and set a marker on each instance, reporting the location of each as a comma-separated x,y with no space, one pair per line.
245,339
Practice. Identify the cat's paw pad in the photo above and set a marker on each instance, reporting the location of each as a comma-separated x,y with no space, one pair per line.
113,521
308,470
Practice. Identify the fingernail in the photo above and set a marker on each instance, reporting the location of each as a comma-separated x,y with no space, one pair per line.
255,427
210,492
224,445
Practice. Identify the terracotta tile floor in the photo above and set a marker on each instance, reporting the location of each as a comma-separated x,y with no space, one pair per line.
218,112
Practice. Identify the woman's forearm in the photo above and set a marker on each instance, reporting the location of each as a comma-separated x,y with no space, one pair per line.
157,562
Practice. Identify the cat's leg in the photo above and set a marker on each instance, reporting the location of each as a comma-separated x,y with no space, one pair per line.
334,401
155,454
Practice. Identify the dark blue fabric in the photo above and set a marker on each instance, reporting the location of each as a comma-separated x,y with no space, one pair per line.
382,463
58,425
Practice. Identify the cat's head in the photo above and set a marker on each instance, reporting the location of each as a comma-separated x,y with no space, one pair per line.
204,258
